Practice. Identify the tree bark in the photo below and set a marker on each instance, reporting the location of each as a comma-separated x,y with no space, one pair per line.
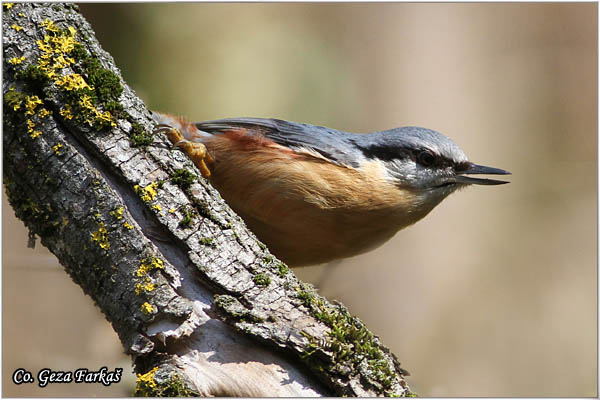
199,303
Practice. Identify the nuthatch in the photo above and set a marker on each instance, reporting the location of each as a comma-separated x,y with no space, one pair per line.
315,194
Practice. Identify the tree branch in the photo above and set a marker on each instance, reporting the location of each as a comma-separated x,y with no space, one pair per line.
199,303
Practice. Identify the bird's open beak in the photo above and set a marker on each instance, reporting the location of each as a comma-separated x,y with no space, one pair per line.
480,169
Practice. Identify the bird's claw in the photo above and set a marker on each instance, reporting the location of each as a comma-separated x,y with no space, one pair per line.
196,151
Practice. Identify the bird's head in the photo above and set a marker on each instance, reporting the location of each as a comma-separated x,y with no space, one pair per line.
425,162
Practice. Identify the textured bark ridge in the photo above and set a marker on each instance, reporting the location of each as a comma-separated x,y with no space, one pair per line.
199,303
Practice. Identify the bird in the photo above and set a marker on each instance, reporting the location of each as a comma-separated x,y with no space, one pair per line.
314,194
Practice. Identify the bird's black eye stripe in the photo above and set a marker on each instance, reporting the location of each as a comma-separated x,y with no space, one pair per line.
423,157
426,158
462,166
386,153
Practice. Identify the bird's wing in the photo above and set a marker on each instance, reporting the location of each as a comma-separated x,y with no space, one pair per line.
335,146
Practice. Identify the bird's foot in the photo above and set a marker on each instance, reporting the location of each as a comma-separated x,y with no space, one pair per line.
196,151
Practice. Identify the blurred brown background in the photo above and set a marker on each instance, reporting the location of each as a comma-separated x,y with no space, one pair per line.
495,292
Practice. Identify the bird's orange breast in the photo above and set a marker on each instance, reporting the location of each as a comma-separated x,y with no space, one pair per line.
305,209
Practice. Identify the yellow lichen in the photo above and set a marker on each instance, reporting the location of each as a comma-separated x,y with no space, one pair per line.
8,6
31,102
16,27
46,49
16,60
105,116
66,112
49,25
54,58
86,102
147,308
13,98
101,236
147,379
56,148
60,62
145,286
157,207
148,264
32,132
58,49
43,113
118,213
172,210
35,134
64,44
147,193
72,82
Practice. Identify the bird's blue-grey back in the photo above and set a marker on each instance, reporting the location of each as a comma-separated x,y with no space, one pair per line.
344,148
332,144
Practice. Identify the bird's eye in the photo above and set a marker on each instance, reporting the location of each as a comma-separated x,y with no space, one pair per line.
426,158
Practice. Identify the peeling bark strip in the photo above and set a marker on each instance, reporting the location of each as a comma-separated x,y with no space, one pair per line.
200,304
